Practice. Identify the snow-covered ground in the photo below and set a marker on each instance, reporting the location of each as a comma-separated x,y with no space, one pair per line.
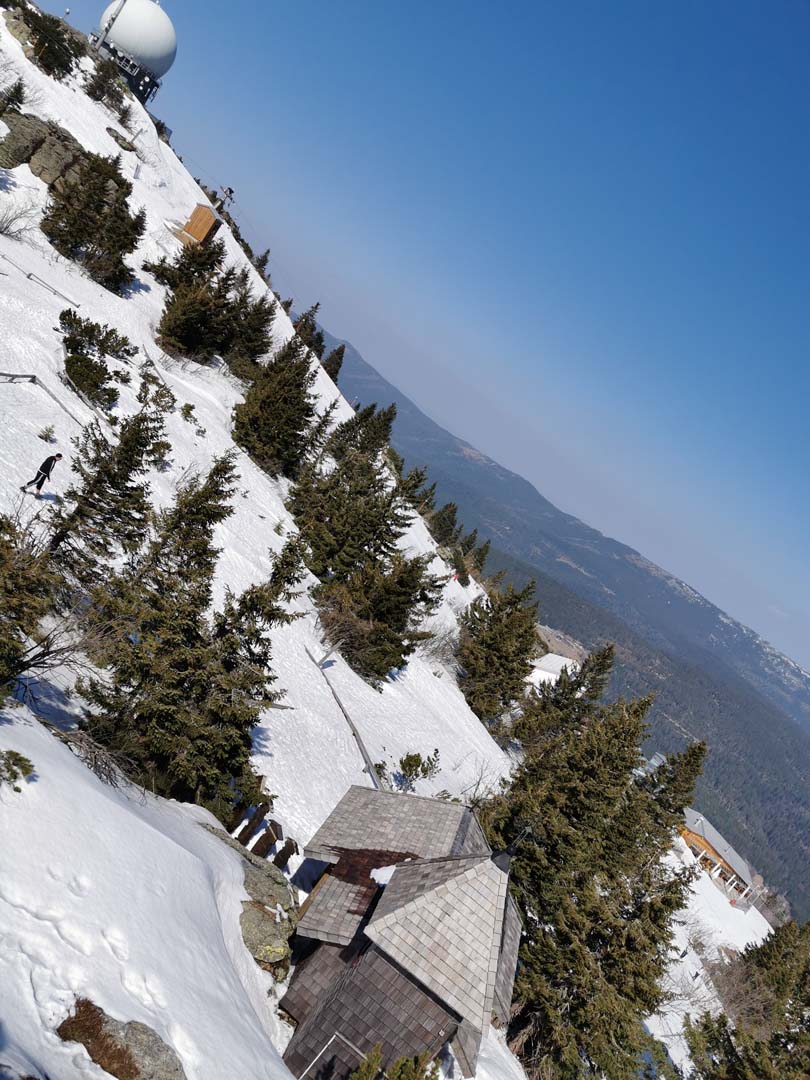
705,932
133,903
126,899
123,898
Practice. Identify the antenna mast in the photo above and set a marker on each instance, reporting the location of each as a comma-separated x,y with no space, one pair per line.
109,24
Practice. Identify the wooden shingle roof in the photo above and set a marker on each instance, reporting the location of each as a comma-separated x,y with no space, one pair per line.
441,921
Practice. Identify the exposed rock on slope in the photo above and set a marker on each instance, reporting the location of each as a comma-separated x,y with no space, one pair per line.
270,916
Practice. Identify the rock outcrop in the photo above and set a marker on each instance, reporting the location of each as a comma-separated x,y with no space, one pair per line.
269,918
126,1050
50,152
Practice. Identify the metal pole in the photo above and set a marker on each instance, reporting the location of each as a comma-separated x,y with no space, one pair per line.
106,29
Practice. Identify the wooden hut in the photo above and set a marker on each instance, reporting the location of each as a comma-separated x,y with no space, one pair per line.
201,227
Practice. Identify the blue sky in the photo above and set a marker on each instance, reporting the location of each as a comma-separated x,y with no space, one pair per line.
578,235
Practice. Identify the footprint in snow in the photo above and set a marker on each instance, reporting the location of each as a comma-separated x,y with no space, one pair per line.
117,943
144,989
80,885
74,936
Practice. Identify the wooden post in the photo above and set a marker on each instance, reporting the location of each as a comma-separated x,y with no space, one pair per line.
253,822
271,835
237,817
283,857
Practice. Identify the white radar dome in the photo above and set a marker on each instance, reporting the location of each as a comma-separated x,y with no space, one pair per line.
145,32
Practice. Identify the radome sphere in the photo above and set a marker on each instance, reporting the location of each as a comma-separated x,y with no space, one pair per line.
145,32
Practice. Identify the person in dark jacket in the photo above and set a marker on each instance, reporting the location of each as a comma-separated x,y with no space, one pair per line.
43,473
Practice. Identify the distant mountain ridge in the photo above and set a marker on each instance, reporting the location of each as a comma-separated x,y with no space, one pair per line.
721,681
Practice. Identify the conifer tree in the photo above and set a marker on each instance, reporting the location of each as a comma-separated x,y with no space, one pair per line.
107,510
13,97
308,331
598,898
274,421
87,345
249,331
105,84
89,221
191,323
479,556
444,526
367,432
460,566
212,310
767,991
374,614
414,487
28,585
182,692
467,543
497,644
260,263
334,362
371,599
55,48
349,515
197,264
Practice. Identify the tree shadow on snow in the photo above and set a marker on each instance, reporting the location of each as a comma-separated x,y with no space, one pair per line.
48,702
136,287
263,742
7,183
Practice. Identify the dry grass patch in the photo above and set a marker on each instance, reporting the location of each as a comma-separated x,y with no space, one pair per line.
85,1025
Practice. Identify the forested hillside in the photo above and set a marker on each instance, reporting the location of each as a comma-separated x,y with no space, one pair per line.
757,777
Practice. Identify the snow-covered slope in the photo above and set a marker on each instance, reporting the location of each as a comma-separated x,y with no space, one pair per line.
706,931
62,919
122,898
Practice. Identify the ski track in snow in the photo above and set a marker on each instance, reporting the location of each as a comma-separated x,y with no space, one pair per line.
124,898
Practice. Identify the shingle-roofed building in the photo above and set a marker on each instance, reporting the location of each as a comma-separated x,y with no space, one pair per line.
426,959
366,818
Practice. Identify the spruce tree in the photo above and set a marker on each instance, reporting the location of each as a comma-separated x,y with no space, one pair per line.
589,876
367,432
308,331
56,49
372,599
89,221
374,614
497,643
334,362
414,487
107,510
105,84
212,310
274,421
191,323
13,97
443,525
479,556
182,691
87,345
28,584
260,263
766,994
349,515
197,264
249,330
